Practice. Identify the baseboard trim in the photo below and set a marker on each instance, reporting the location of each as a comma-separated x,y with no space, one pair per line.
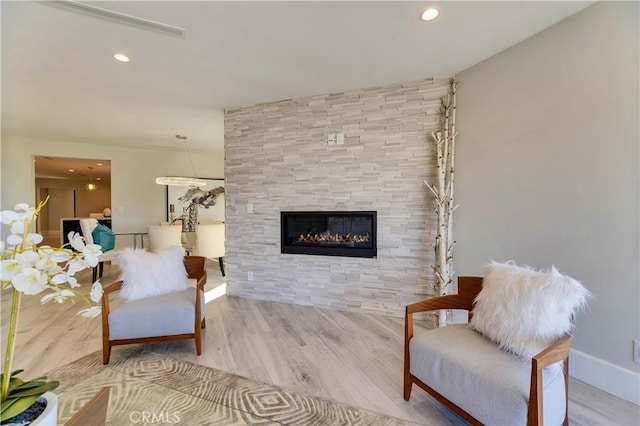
605,376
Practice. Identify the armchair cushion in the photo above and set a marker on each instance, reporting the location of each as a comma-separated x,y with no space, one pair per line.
524,310
146,274
139,318
474,373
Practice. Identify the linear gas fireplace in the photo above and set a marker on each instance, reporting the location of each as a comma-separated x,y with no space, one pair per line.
329,233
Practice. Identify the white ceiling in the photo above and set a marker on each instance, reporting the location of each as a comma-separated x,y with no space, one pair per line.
59,80
72,168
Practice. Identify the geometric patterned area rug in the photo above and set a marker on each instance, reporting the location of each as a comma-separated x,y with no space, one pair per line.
148,388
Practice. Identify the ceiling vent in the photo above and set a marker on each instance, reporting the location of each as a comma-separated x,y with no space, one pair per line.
119,17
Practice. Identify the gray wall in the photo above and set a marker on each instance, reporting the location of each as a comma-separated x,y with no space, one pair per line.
277,158
547,166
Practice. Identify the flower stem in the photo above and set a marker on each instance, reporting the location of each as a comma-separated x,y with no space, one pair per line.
11,342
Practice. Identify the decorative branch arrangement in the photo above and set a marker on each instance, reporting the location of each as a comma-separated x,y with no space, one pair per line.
445,143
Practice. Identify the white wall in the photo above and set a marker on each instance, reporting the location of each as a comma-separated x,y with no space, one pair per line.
137,201
85,201
547,168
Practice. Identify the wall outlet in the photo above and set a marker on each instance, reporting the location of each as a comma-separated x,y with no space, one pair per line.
249,275
636,351
331,139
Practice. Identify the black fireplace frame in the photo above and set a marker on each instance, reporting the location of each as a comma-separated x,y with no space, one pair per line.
367,252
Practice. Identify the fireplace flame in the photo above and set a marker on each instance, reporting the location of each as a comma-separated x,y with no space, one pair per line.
334,238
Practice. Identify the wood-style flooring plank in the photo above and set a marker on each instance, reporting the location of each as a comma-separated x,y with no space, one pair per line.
343,356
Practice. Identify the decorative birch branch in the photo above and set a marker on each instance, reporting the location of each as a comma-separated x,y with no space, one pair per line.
443,192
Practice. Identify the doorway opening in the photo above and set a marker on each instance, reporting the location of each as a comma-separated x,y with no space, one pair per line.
66,182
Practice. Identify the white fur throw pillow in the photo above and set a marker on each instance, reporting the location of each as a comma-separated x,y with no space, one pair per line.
146,274
524,310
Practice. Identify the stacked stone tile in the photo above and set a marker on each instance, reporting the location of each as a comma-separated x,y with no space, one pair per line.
277,158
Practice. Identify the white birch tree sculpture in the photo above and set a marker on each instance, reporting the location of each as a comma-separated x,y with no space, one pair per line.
443,190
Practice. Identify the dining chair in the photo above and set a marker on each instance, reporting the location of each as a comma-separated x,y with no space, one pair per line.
210,242
86,227
161,236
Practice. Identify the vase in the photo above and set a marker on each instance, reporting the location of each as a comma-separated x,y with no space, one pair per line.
49,417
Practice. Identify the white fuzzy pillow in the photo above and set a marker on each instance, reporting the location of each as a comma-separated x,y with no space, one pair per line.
146,274
524,310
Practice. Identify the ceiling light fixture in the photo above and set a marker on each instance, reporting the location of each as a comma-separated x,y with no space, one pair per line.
182,180
91,186
121,57
430,14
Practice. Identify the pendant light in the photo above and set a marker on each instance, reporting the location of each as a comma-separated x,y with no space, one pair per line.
182,180
91,186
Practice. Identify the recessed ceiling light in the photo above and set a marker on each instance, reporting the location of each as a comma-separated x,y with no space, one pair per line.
430,14
71,170
98,178
99,164
121,57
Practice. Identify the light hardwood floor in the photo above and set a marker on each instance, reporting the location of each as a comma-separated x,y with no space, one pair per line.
343,356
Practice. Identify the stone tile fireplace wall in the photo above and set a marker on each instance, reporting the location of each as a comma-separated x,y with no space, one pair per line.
277,159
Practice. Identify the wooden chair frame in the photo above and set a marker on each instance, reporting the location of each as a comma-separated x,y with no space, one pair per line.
195,266
468,289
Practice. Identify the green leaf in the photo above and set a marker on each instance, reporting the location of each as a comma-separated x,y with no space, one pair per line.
13,384
35,391
13,373
31,384
7,403
17,407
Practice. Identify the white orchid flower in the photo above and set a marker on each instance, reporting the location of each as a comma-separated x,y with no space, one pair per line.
58,295
91,254
57,256
34,239
14,240
73,283
96,292
30,281
27,259
76,241
8,216
9,268
75,265
59,279
17,221
60,256
91,312
18,227
62,278
48,264
22,207
33,269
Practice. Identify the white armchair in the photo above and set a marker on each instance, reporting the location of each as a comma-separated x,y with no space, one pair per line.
162,236
210,242
507,366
